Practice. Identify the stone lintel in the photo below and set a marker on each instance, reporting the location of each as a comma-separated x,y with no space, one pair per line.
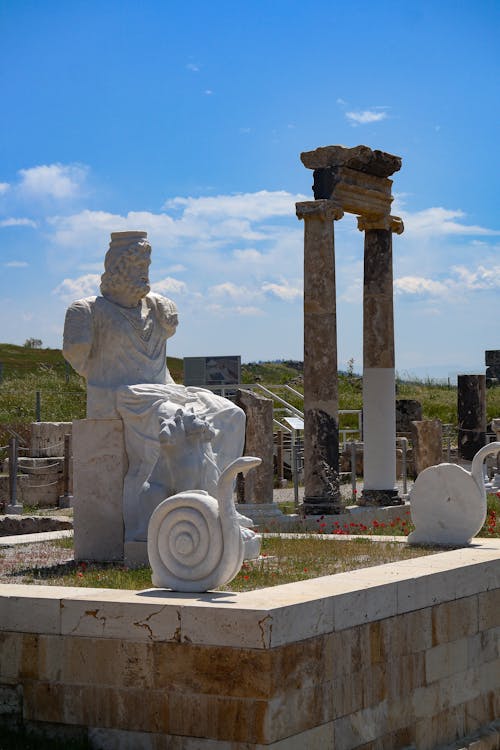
359,158
355,192
388,222
326,210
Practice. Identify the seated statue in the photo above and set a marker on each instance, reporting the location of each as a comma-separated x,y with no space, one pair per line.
176,438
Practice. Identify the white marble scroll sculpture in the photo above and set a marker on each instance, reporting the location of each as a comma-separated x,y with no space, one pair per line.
196,542
117,341
448,503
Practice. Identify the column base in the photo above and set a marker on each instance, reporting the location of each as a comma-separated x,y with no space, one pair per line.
380,498
321,506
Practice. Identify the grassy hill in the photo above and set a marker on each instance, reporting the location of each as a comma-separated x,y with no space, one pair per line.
62,391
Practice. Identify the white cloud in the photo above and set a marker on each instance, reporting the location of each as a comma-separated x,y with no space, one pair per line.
83,286
13,222
16,264
4,186
419,285
252,206
250,255
284,290
168,285
461,281
248,310
365,117
229,289
208,92
438,220
193,67
59,181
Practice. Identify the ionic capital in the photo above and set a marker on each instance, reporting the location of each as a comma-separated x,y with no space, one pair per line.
321,209
390,223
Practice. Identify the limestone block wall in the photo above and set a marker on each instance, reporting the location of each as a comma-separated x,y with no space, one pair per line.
401,655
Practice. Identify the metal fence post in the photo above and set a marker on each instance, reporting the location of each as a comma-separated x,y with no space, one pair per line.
65,498
404,467
38,407
14,507
295,468
353,470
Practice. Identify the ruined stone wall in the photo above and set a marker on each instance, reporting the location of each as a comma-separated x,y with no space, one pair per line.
402,655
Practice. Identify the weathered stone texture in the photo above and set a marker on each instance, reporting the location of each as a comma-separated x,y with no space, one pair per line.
408,410
427,440
47,438
360,158
471,414
257,486
320,358
378,315
100,465
373,678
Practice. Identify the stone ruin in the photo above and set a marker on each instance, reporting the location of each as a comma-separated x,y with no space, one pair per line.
354,180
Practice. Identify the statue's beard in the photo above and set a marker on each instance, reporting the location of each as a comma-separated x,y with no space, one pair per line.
127,293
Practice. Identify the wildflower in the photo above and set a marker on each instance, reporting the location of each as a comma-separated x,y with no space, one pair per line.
246,578
305,570
80,574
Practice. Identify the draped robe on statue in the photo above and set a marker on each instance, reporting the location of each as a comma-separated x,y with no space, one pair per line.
176,437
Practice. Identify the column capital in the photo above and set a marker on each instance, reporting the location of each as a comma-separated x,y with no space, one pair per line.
323,209
390,223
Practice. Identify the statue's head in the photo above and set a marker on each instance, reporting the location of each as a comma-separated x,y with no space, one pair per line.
126,268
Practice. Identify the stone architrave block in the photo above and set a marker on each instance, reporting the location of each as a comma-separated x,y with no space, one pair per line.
427,438
99,465
257,486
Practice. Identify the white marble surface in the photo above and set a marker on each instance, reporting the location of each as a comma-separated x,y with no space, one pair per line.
195,541
448,503
117,341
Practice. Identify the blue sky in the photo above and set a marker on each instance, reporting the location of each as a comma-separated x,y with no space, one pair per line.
187,120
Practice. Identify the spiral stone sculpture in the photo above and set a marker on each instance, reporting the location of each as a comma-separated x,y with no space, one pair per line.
195,541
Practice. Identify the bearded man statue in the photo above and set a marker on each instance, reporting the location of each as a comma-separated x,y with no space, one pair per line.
176,438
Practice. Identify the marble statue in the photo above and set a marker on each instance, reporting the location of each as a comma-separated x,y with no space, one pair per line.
448,503
195,541
177,438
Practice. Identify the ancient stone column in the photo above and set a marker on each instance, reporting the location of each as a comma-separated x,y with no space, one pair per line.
471,414
321,434
379,385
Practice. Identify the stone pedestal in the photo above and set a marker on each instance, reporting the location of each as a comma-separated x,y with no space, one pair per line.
321,439
99,465
47,438
379,385
471,415
427,439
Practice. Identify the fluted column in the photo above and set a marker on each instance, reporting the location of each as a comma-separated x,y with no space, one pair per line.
379,387
321,434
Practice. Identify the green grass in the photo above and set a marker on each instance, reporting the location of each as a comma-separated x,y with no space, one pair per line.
283,560
26,371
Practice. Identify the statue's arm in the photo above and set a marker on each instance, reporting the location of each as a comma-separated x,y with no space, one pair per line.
167,314
167,317
78,335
